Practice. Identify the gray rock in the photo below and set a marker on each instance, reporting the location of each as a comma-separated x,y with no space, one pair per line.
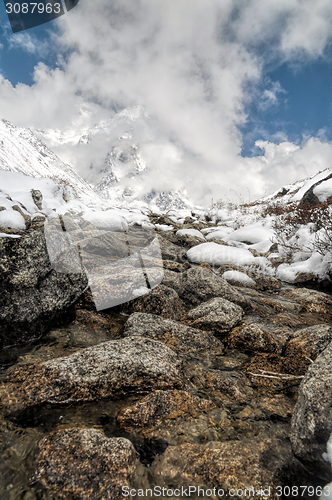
169,251
200,284
84,464
172,279
312,417
310,301
32,293
110,369
217,315
309,198
181,338
108,244
37,198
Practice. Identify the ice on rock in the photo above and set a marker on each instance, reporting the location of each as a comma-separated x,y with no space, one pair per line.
164,227
219,233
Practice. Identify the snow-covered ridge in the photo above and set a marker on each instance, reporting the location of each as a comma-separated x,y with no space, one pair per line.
22,152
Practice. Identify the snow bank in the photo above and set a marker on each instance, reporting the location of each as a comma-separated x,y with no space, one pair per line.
324,190
109,220
217,255
316,264
251,234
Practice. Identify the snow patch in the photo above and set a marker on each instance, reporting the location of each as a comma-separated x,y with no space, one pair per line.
238,276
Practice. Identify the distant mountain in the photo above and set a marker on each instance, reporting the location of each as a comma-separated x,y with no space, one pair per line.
22,152
122,175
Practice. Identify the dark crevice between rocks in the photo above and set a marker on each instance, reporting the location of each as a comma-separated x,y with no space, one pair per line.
149,449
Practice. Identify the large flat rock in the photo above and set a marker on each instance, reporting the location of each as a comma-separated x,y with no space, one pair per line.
110,369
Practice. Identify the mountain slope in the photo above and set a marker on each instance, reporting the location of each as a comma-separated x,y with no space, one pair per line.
22,152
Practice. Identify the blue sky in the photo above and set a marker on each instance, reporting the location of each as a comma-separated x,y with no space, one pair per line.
16,64
214,77
304,106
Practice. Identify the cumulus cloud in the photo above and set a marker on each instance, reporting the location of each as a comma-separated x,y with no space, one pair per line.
187,62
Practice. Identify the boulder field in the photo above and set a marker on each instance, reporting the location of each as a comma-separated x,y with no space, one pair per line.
201,382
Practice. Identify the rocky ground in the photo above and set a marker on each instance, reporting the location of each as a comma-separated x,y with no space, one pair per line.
198,383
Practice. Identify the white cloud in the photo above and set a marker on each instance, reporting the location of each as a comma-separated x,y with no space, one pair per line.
29,43
187,62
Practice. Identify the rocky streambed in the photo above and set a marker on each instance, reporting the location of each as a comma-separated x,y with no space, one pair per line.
198,383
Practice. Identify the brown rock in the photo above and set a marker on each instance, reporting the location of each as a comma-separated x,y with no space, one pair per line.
162,300
163,405
232,464
309,342
85,465
231,386
311,300
253,338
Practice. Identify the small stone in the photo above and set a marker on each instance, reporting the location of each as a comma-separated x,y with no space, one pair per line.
162,300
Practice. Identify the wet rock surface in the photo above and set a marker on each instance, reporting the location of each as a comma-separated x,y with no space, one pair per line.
177,336
84,464
232,464
112,368
194,382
